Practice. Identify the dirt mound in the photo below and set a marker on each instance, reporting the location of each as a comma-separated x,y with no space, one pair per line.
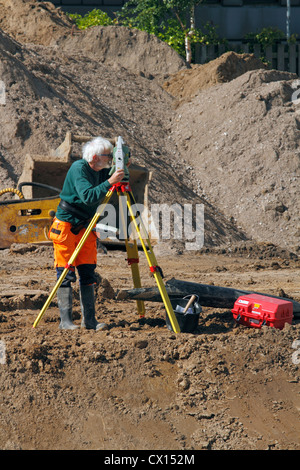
241,139
187,83
31,21
60,92
117,46
41,23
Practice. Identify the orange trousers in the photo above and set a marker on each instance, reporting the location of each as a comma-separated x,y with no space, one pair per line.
65,242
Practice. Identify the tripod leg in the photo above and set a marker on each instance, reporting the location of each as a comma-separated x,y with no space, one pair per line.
153,266
133,260
74,256
132,257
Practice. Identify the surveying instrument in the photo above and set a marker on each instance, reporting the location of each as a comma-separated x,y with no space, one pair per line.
120,154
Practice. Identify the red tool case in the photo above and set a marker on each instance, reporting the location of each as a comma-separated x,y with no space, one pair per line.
256,310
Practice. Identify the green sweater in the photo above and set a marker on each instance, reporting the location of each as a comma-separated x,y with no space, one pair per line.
83,188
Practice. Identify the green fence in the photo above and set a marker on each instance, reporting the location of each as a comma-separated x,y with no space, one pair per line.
284,57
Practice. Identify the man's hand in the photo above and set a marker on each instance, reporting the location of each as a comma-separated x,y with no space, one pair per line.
116,177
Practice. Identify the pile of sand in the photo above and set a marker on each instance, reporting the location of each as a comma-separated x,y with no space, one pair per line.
41,23
231,140
31,21
132,49
50,92
242,140
186,83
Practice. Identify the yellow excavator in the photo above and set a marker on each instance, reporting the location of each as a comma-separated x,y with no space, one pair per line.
28,216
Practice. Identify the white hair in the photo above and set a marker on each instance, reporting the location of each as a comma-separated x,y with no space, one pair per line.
96,147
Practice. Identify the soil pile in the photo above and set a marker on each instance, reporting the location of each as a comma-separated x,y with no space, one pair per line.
49,92
31,21
41,23
116,46
242,141
186,83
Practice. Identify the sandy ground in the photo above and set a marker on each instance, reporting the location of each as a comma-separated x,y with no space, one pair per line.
138,385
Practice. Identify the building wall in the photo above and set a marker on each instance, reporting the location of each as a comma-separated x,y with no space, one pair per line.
234,18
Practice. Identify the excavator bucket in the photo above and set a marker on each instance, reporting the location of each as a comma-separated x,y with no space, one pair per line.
28,218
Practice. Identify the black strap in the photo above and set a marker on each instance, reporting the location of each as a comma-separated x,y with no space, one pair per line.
72,209
78,213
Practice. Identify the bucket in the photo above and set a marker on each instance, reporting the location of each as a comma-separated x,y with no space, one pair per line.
188,321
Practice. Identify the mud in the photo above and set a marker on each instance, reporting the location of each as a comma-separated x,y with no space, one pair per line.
138,385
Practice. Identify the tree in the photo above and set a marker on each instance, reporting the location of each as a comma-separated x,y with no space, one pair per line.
184,11
161,17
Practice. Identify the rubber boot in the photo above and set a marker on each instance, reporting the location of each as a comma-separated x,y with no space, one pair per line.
87,302
64,297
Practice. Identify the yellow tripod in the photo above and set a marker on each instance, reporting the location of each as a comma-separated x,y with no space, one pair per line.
132,253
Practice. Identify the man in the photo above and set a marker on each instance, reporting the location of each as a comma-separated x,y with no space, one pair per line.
85,185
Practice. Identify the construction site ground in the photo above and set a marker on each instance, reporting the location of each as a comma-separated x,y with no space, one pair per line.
138,385
225,135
